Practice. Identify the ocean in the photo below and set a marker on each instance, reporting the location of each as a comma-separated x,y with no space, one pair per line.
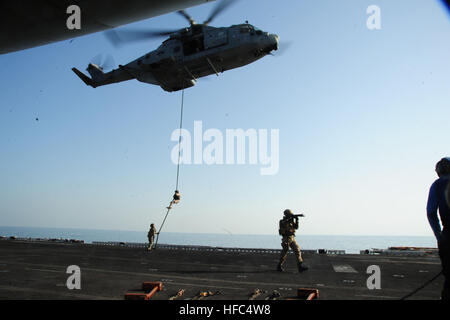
351,244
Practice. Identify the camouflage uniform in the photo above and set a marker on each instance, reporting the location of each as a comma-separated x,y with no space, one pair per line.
151,236
176,199
288,226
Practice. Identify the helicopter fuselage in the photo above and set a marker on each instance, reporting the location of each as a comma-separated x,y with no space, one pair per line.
189,54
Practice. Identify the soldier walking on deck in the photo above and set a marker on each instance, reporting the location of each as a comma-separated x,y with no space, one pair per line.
288,226
439,199
151,236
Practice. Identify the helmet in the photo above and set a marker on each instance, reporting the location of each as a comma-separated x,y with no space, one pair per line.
443,167
288,212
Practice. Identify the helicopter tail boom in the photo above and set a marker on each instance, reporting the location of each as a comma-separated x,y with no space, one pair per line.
88,81
96,72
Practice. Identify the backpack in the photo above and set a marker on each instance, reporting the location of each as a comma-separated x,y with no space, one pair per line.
286,227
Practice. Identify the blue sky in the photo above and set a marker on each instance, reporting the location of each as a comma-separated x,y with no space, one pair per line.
362,115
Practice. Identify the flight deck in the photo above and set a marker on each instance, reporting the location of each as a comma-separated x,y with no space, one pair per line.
37,269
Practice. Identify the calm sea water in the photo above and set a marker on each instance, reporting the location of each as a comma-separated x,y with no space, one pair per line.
351,244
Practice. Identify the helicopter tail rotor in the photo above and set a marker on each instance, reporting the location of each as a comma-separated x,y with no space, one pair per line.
96,73
105,63
95,70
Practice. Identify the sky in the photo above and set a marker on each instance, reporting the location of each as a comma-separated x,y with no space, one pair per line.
362,118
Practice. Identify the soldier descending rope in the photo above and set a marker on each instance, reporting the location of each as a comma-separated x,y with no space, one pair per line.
176,199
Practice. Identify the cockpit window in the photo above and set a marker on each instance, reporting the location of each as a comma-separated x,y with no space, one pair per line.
245,29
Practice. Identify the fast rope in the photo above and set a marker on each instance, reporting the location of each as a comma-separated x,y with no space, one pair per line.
178,165
179,138
421,287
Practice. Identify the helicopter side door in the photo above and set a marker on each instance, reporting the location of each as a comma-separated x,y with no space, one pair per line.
216,37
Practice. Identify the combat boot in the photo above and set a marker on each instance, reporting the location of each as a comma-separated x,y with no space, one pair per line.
280,268
302,268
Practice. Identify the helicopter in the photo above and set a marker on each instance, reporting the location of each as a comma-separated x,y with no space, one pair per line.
188,54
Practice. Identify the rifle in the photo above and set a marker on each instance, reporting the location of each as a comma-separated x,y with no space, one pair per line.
288,219
293,216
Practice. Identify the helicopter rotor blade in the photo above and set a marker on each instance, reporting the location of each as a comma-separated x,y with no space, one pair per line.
219,8
105,63
187,17
119,38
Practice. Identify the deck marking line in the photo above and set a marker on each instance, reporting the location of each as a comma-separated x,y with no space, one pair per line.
345,268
